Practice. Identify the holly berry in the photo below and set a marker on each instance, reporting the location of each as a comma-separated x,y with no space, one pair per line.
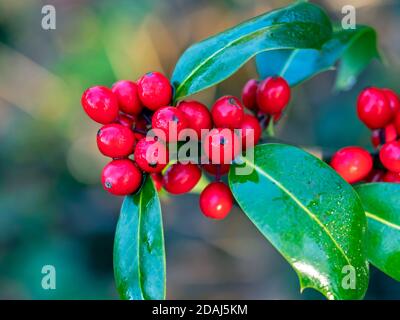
121,177
115,140
164,118
126,120
221,146
181,178
393,99
157,180
154,90
151,155
216,200
197,115
251,131
390,156
249,94
127,95
397,123
227,112
392,177
216,169
382,136
273,95
100,104
373,108
352,163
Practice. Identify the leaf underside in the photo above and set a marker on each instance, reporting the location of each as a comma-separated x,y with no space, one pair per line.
351,49
309,214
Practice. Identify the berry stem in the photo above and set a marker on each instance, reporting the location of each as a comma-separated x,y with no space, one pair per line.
270,127
218,173
139,131
147,118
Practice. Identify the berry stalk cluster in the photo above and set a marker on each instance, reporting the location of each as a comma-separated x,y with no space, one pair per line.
379,110
129,111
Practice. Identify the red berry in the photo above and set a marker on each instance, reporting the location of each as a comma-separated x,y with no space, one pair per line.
169,119
382,136
273,95
216,200
214,168
197,115
227,112
126,120
373,108
154,90
249,94
390,156
251,131
393,98
181,178
151,155
352,163
157,180
100,104
127,95
115,140
277,117
121,177
393,177
397,123
221,146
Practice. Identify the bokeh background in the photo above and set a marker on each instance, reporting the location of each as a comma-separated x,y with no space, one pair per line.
52,207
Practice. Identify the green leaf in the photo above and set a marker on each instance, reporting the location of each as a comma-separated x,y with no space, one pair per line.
211,61
310,214
381,202
139,255
355,48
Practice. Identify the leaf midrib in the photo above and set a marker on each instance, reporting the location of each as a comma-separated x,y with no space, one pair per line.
229,44
305,209
382,221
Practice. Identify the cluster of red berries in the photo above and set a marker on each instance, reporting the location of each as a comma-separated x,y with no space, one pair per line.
129,110
379,110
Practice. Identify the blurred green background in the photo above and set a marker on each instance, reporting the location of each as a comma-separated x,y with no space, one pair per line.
52,207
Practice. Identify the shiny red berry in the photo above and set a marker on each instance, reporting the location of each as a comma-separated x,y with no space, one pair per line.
273,95
171,121
352,163
197,115
382,136
115,140
390,156
392,177
154,90
127,95
121,177
393,99
216,169
373,108
181,178
251,131
157,180
221,146
216,200
397,123
249,94
151,155
100,104
227,112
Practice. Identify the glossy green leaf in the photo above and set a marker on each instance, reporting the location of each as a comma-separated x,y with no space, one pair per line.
382,208
139,255
302,25
354,48
310,214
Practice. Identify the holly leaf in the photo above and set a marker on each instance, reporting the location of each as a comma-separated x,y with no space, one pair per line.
382,208
309,214
139,254
351,49
302,25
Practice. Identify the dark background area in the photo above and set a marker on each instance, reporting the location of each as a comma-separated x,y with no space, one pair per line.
52,207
